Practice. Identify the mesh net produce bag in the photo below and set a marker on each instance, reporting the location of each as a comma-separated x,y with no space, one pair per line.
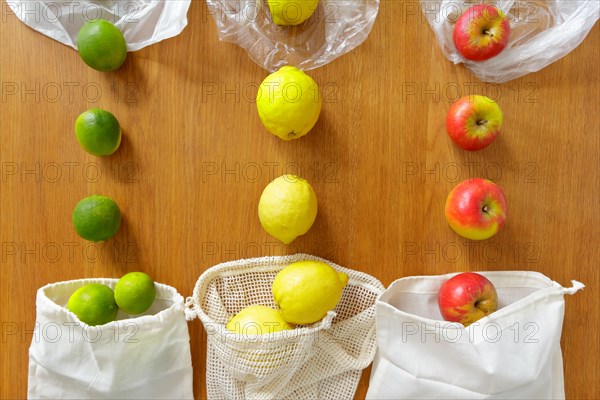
320,361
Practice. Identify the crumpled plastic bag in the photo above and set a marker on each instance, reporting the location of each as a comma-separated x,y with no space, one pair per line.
542,32
143,22
336,27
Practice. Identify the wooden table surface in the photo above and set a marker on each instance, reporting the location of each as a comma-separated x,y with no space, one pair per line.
195,158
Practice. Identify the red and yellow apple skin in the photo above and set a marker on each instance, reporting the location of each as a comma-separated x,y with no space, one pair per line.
467,298
473,122
476,209
481,32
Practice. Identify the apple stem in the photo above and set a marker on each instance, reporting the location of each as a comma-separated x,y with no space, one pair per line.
482,122
485,209
490,34
478,305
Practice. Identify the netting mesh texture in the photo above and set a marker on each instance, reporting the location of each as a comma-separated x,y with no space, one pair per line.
320,361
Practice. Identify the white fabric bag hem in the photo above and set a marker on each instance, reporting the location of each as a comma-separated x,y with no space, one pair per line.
132,386
502,317
164,292
443,387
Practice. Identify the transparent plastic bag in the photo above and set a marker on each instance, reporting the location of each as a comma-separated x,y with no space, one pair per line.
321,361
143,22
542,32
336,27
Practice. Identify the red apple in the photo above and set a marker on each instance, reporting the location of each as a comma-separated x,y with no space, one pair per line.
473,122
466,298
476,209
481,32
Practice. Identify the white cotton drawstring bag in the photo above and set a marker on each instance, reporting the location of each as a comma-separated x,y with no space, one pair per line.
514,353
321,361
143,357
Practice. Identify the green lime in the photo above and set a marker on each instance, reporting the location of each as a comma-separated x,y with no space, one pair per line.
135,292
96,218
102,45
94,304
98,132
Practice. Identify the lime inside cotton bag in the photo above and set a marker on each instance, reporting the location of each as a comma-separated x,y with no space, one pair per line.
514,353
143,357
143,22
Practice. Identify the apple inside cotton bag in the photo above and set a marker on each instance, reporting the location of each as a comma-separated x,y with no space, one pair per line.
466,298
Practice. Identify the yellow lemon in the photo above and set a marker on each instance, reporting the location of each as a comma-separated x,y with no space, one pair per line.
292,12
305,290
289,103
257,320
287,208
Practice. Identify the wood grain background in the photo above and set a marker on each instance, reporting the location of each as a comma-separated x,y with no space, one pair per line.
195,159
